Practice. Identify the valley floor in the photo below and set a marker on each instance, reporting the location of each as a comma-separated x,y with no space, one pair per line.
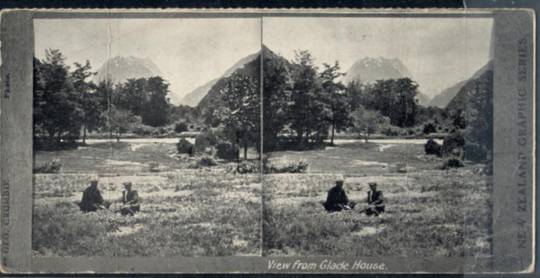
429,212
184,212
212,211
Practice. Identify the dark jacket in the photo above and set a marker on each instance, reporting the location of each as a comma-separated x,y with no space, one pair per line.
131,198
91,199
336,199
375,198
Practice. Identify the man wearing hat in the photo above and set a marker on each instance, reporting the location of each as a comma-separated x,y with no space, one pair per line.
130,200
337,198
375,200
91,198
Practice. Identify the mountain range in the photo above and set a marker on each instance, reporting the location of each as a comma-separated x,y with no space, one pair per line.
120,68
369,70
474,89
193,98
447,95
365,70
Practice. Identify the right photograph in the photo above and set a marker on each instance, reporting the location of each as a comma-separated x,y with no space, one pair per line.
377,136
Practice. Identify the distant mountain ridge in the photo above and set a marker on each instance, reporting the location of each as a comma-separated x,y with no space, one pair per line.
475,87
447,95
120,68
195,97
369,70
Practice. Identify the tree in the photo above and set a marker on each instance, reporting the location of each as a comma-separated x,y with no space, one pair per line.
144,97
132,95
309,111
479,131
156,111
355,96
88,99
394,98
240,113
336,98
180,127
57,110
277,86
119,121
366,122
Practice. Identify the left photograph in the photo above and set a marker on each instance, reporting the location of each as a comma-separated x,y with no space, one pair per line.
146,137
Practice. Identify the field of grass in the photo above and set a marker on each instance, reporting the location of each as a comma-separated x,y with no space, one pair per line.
211,211
184,212
430,212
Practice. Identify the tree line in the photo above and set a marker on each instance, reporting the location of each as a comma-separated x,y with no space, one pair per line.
305,105
68,104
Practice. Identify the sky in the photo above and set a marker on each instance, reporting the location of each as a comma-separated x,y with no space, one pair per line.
438,52
189,52
192,51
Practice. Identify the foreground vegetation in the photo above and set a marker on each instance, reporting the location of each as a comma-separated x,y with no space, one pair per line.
207,211
195,214
430,212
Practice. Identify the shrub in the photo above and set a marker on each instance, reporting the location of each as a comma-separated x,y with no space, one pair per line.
429,128
453,141
44,144
452,162
143,130
180,127
204,161
432,148
246,167
390,131
205,140
300,166
49,168
184,146
227,151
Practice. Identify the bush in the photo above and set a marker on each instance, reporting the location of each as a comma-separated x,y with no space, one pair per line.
248,167
390,131
432,148
453,142
227,151
184,146
300,166
205,140
204,161
429,128
143,130
44,144
452,162
49,168
180,127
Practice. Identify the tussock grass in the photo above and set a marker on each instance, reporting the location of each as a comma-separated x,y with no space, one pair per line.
213,215
430,212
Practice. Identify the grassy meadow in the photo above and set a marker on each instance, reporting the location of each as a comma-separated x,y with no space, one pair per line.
210,211
429,212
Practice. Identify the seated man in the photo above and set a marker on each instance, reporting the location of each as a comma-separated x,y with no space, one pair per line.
375,200
337,198
130,200
92,199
